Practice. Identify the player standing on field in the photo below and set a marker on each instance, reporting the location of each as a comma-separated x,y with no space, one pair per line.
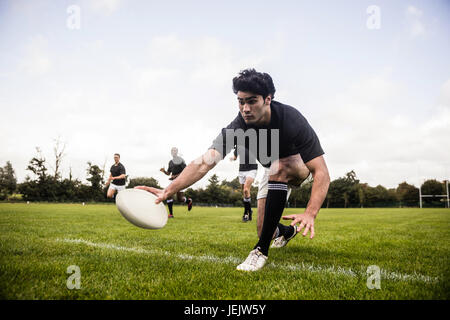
116,178
295,153
175,167
247,174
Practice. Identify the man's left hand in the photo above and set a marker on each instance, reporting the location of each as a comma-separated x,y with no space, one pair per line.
306,221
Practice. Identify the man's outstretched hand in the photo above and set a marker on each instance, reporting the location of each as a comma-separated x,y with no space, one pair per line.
306,221
161,195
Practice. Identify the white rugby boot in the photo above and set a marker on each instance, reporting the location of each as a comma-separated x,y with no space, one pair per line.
255,261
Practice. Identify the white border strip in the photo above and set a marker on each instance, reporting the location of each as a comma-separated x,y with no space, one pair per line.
386,275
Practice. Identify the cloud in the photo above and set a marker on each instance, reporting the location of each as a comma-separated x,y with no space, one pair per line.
184,87
36,60
104,6
413,11
416,27
444,97
177,93
366,128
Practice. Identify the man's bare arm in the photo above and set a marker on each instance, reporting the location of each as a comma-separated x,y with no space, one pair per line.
319,170
321,182
196,170
122,176
164,171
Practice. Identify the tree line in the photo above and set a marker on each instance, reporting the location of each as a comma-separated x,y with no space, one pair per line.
344,192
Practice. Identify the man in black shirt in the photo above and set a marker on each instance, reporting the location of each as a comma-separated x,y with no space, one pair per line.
247,174
117,177
176,166
284,143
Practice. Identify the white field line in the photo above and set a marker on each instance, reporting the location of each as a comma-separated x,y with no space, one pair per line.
385,274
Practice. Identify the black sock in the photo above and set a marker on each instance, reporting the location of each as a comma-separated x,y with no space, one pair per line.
275,201
249,203
170,205
249,207
245,206
286,231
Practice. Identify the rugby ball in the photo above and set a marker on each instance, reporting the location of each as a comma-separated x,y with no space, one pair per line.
139,207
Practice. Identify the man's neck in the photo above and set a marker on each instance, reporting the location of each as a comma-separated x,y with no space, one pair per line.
269,115
265,121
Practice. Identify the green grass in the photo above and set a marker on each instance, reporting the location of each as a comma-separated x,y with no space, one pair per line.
195,255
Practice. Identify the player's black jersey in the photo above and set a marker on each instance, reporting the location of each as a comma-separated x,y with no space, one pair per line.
176,165
295,136
244,162
117,170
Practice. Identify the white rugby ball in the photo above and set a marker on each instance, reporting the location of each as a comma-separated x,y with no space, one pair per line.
139,207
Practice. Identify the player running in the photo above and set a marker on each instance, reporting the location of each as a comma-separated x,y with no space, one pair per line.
295,152
176,166
247,174
116,178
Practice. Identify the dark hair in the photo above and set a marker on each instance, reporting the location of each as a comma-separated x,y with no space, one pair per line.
116,154
250,80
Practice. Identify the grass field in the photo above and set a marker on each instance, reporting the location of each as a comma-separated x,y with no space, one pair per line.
195,255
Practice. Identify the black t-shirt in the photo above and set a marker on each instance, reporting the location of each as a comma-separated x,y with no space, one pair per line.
244,159
295,136
117,170
176,165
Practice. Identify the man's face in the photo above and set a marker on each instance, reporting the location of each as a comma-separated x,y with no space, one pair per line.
116,159
174,152
254,109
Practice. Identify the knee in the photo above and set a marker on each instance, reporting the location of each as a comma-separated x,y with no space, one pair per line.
279,172
289,170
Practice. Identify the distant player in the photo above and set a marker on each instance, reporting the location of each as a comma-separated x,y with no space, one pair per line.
176,166
247,174
288,148
116,178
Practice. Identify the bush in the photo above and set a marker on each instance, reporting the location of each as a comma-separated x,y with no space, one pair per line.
15,197
142,181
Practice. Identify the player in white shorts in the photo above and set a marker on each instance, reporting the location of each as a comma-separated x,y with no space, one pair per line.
116,178
175,167
278,240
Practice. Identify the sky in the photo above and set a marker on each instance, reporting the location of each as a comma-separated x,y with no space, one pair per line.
139,77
